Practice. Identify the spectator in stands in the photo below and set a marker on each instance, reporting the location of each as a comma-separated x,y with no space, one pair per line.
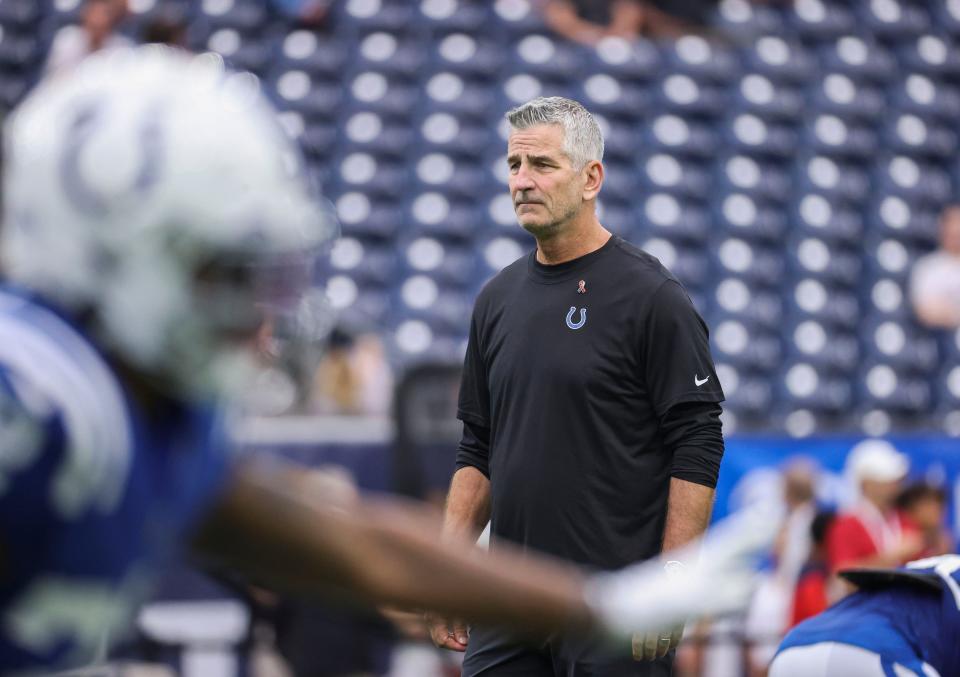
97,30
353,377
924,507
589,21
810,593
872,533
167,28
935,282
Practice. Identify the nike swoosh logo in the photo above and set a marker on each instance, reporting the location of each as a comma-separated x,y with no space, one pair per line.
698,381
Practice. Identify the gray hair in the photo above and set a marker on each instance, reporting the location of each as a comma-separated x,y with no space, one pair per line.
582,139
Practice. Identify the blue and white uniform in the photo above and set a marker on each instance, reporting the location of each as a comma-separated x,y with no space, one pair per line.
900,622
94,496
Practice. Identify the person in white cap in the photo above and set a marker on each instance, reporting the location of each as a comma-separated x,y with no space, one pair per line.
872,533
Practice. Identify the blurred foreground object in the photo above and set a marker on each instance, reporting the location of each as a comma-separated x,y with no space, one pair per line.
899,622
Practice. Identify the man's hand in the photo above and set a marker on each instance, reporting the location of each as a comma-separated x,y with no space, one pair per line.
652,645
446,634
648,646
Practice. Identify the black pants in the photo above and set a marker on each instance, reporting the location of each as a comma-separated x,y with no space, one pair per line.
495,654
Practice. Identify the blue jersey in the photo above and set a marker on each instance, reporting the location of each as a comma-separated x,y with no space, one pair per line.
909,616
94,496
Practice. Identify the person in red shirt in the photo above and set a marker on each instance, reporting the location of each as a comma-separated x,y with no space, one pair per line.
872,533
923,508
810,593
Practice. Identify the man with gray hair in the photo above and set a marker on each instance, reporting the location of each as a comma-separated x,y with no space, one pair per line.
589,401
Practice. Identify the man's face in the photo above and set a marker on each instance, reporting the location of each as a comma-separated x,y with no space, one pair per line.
950,231
547,190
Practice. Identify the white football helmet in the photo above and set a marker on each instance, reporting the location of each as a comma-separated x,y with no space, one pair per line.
148,192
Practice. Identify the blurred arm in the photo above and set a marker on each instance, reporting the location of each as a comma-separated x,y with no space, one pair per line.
383,551
688,512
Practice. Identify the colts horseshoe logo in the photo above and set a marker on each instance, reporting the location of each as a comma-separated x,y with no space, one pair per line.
581,322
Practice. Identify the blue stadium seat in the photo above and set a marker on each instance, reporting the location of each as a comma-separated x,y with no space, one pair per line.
888,257
305,50
880,386
893,19
607,96
370,132
436,215
801,385
834,136
377,92
817,21
375,176
246,16
240,52
841,95
448,16
756,177
620,182
859,58
745,20
916,182
734,298
927,98
450,265
832,178
947,16
366,265
892,216
759,265
750,134
637,61
688,95
815,216
419,297
363,216
443,132
673,174
19,14
515,18
910,134
948,387
701,59
745,347
813,299
747,395
468,55
779,60
813,257
296,90
767,99
621,141
900,344
374,15
932,54
663,215
741,215
545,57
673,134
888,295
390,53
827,349
689,263
447,174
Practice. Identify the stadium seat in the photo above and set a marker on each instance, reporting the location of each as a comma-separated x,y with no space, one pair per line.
745,347
546,58
814,257
841,95
693,55
374,15
827,349
881,387
444,132
802,385
673,134
673,174
900,344
445,173
927,98
749,134
609,97
468,55
893,19
830,178
819,21
780,61
635,61
392,54
687,95
449,16
813,299
734,298
917,182
770,100
833,136
757,177
759,265
661,214
816,215
858,58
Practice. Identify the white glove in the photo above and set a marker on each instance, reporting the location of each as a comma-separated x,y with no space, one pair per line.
643,597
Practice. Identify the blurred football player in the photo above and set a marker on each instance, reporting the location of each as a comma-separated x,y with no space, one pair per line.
901,622
154,215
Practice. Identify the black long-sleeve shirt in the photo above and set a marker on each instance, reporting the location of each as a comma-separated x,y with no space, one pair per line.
586,386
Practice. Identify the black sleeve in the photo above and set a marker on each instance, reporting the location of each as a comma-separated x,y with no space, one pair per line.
693,433
675,353
474,449
474,402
